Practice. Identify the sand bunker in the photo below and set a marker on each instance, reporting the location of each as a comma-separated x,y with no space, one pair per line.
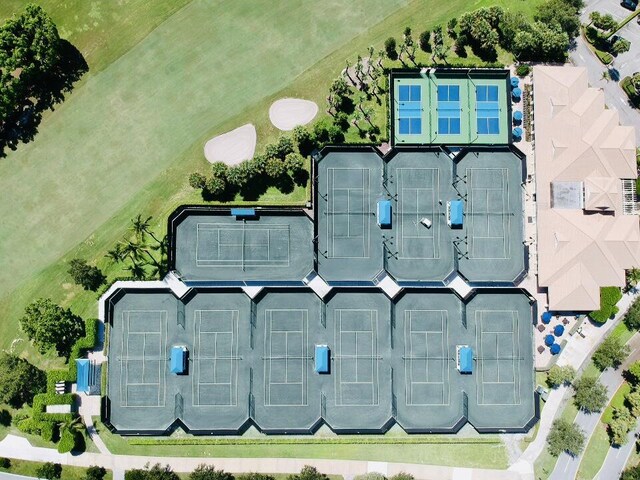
288,113
232,147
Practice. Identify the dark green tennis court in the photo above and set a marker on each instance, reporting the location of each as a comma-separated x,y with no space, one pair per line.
254,361
217,246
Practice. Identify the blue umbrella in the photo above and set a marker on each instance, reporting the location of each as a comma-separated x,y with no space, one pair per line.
546,317
558,330
555,349
549,340
517,93
517,132
515,81
517,116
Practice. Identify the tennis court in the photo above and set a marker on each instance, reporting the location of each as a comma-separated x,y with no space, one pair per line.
218,246
504,357
454,107
492,250
419,182
349,239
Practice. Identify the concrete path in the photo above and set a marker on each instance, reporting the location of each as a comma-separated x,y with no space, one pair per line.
567,466
11,476
18,447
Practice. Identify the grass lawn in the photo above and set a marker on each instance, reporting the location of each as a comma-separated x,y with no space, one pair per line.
595,453
617,401
123,143
485,455
23,467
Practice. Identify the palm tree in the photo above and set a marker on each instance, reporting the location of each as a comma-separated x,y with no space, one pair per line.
346,72
633,276
116,255
359,69
141,228
371,50
381,56
73,426
357,117
130,249
366,113
137,271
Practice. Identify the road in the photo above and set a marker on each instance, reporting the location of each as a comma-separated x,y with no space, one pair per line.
617,458
567,466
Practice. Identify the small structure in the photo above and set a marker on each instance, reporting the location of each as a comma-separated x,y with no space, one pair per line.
426,222
82,379
178,360
546,317
464,359
322,359
384,213
455,213
241,213
558,330
549,340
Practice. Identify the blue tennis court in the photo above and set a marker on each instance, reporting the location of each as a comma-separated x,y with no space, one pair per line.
410,109
448,109
488,110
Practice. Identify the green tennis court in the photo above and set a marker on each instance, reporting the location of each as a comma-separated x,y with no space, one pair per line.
216,246
492,249
253,361
349,239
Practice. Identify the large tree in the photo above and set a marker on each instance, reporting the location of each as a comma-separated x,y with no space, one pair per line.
37,68
560,376
308,473
591,395
88,276
565,437
209,472
49,325
19,380
611,353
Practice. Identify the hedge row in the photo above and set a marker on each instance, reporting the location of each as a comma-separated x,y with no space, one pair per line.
609,297
313,441
91,328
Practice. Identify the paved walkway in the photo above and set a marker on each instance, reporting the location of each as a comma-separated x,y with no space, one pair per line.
567,466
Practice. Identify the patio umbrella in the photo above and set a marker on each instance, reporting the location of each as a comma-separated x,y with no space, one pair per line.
517,93
549,340
546,317
515,81
517,132
517,116
558,330
555,349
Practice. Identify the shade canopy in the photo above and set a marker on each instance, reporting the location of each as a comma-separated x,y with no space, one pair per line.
178,360
322,359
517,116
384,213
515,81
516,92
517,132
555,349
82,379
549,340
455,211
465,359
558,330
546,317
243,212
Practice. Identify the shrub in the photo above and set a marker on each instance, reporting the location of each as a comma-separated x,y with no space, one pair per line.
305,139
402,476
219,169
390,48
560,376
280,149
209,472
425,41
622,422
341,120
565,437
275,168
308,473
632,317
135,474
631,473
239,175
49,471
633,401
609,297
591,395
47,431
294,163
523,70
370,476
5,462
255,476
67,441
88,276
215,186
197,181
611,353
95,473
